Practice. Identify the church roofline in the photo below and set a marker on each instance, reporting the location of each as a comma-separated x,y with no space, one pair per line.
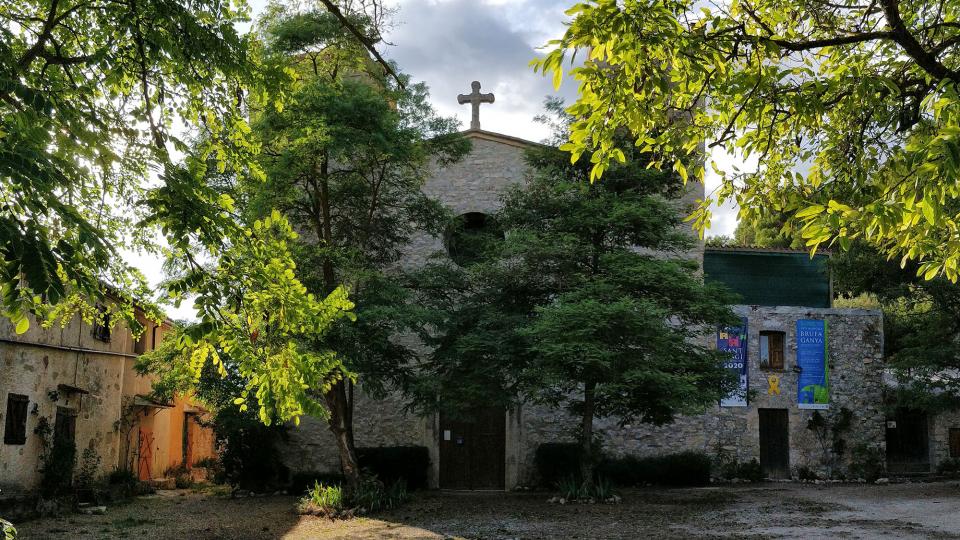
500,137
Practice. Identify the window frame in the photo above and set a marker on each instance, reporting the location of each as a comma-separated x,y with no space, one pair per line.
101,326
767,363
16,434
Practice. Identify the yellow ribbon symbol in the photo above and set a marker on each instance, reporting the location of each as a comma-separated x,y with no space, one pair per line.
773,385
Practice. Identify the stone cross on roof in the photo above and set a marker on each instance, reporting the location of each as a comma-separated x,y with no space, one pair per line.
475,98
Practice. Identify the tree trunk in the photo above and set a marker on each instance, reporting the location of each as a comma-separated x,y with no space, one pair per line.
341,428
586,434
338,401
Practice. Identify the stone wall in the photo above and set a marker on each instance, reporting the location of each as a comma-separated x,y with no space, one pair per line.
856,355
939,429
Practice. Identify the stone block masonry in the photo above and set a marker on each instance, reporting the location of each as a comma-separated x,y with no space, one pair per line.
855,345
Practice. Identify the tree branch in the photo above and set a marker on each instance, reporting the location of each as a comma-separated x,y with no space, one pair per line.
910,45
364,40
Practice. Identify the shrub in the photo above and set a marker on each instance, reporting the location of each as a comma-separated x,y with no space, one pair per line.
322,500
58,468
394,463
806,473
949,466
89,467
557,462
183,481
680,469
370,495
572,489
8,530
120,476
868,462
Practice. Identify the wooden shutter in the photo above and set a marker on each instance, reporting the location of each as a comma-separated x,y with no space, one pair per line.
15,428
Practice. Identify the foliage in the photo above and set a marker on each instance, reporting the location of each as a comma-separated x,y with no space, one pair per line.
867,462
8,530
328,499
851,110
346,159
86,476
557,462
745,470
949,466
247,447
372,495
183,481
369,495
257,314
589,303
391,464
58,465
806,474
829,432
121,476
921,324
573,489
91,93
677,469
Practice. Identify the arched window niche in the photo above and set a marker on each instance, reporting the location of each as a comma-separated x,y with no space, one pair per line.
469,237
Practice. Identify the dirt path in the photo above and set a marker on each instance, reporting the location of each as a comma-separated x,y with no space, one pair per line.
743,512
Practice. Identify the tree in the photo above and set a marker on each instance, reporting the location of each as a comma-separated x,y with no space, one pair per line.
90,92
256,312
921,323
346,159
589,303
850,108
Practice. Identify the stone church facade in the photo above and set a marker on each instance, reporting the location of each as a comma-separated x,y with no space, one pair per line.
771,428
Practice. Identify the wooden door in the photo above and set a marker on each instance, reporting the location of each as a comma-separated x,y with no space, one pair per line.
775,443
908,443
472,450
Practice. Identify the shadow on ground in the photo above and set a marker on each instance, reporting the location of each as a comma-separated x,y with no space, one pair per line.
751,511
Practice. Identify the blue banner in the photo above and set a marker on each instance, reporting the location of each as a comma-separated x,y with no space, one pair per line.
813,385
733,339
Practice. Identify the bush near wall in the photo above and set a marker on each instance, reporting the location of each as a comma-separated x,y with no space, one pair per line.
557,461
392,463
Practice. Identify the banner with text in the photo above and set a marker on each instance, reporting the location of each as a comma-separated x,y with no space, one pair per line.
733,339
813,385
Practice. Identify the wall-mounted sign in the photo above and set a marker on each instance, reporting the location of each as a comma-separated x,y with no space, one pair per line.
813,385
733,340
446,434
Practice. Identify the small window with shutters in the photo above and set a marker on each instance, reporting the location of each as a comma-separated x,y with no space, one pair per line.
955,442
15,425
771,350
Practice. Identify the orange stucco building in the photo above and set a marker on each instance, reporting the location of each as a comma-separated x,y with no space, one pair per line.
79,380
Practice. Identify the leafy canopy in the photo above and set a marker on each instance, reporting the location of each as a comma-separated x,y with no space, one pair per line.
850,108
90,94
256,313
590,288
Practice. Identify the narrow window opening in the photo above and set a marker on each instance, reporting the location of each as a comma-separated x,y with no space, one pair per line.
15,425
771,350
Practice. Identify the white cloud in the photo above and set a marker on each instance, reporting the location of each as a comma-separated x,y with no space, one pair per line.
449,43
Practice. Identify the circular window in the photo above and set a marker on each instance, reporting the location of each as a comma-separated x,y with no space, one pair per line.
470,236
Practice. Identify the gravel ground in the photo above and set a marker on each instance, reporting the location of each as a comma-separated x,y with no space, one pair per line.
914,510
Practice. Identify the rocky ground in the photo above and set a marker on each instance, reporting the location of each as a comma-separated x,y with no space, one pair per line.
915,510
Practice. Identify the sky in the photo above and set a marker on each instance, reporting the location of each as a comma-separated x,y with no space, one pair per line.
449,43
